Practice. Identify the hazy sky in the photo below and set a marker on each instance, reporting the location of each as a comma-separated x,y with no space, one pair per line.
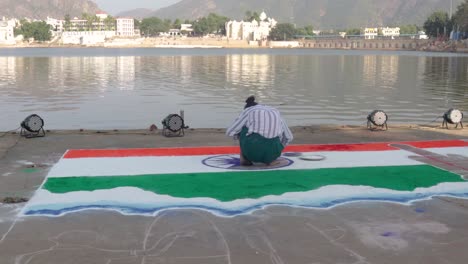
116,6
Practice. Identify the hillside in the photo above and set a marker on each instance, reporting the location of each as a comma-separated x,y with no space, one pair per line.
40,9
136,13
320,13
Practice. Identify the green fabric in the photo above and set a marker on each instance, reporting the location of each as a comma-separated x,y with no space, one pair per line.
229,186
257,148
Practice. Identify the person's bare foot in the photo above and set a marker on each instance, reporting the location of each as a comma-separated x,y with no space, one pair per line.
244,161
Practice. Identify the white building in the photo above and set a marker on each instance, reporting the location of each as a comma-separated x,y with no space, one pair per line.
76,24
371,33
390,32
102,15
125,27
7,34
422,35
86,37
186,28
251,31
96,31
56,24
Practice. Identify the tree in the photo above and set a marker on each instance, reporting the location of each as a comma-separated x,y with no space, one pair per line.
249,16
409,29
153,26
109,23
67,24
168,22
461,16
136,23
177,23
212,24
353,32
284,31
438,24
89,22
306,31
203,27
40,31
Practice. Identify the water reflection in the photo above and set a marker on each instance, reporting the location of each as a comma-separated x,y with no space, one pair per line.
126,73
250,70
446,79
381,71
7,71
134,91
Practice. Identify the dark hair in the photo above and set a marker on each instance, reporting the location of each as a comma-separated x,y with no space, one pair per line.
250,102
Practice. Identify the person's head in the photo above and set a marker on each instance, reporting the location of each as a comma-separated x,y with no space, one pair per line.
250,102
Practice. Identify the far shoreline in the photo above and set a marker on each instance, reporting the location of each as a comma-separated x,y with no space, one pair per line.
208,47
221,43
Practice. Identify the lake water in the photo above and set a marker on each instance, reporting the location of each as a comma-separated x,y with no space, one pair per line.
133,88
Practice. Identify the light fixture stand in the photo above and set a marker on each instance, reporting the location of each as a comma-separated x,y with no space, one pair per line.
454,117
173,126
32,127
377,119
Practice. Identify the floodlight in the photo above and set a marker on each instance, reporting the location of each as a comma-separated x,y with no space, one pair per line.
377,118
173,125
32,126
454,117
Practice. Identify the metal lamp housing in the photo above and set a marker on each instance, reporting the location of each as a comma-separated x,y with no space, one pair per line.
173,125
378,118
32,126
454,117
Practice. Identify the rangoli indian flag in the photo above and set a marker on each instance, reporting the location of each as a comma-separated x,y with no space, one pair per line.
148,181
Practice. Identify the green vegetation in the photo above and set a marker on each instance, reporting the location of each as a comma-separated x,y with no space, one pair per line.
438,24
177,23
94,23
305,31
353,32
212,24
152,26
136,23
90,19
461,17
249,16
40,31
109,23
283,31
287,31
409,29
67,24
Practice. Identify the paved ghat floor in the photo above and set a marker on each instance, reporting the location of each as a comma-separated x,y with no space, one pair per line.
431,231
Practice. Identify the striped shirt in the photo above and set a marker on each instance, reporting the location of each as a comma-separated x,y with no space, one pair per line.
263,120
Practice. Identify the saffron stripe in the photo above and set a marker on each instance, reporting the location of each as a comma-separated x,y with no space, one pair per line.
92,167
229,186
197,151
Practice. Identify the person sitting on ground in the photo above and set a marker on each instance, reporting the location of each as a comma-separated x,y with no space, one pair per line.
262,133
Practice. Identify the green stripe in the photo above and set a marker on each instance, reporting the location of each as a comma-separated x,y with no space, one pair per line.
228,186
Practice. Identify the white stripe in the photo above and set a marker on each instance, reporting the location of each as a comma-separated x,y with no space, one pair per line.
137,198
192,164
450,151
